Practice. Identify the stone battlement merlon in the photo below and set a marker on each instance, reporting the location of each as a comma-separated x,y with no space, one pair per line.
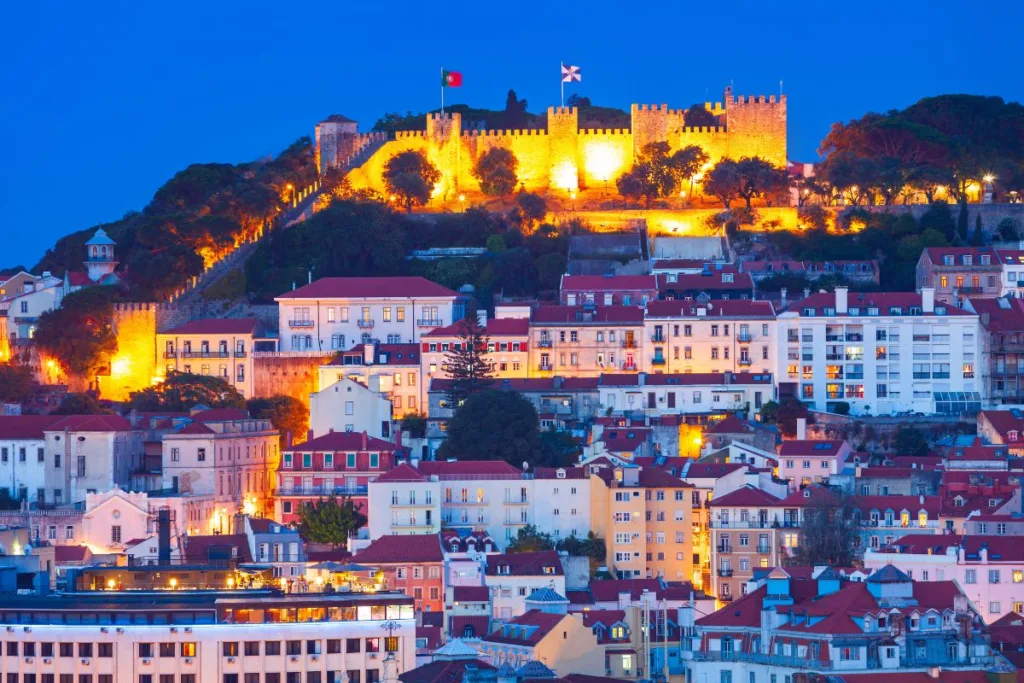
406,134
706,130
493,133
562,111
756,99
605,131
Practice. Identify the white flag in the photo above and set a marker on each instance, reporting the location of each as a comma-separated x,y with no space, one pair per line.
570,74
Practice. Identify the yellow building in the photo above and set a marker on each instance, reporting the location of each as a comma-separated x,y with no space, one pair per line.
645,516
221,347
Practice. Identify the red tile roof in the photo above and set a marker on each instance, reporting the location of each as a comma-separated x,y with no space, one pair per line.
478,625
729,425
700,282
724,308
384,354
69,553
370,288
936,254
925,544
198,549
608,590
1004,421
977,452
711,470
1003,548
221,415
660,479
552,473
578,315
468,468
444,671
525,564
812,495
419,548
883,301
16,427
402,473
91,423
195,428
995,318
911,504
344,441
744,496
615,283
807,447
542,622
496,327
471,594
216,326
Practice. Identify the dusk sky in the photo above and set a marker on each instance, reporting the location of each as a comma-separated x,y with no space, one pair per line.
103,102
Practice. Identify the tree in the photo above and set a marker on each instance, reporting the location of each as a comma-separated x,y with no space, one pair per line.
529,540
495,169
787,414
410,177
699,116
759,178
80,404
910,441
827,532
841,408
654,174
467,364
592,547
515,115
181,391
530,210
769,411
289,415
16,383
962,223
724,181
687,163
494,425
330,520
559,449
978,236
1007,229
79,334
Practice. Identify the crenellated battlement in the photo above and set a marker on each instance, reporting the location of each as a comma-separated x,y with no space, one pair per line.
562,111
443,116
489,133
604,131
704,130
409,134
756,99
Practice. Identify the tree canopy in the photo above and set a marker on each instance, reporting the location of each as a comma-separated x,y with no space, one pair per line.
747,179
659,172
289,415
79,334
828,536
80,404
181,391
17,383
329,520
495,169
411,178
466,362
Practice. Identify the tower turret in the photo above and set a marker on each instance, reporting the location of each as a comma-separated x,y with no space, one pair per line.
99,256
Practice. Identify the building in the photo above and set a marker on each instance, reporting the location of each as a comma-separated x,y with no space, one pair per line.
335,313
350,406
880,353
221,347
512,578
224,458
805,462
1003,427
882,519
22,450
849,271
611,290
715,281
733,430
558,639
87,454
508,347
957,273
988,569
727,335
412,564
887,624
392,370
673,394
217,634
335,464
742,537
645,516
582,341
1002,347
467,612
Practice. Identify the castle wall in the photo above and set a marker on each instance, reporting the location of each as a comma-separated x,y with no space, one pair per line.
756,127
653,123
289,375
134,366
530,147
370,174
680,223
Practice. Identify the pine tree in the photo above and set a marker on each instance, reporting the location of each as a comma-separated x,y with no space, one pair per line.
978,238
466,362
962,224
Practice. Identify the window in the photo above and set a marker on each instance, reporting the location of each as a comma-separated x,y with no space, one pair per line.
993,576
115,534
971,576
229,649
252,648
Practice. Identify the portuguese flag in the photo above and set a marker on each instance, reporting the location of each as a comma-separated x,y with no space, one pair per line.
451,79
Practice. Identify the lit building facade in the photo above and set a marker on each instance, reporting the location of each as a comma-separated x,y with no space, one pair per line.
221,347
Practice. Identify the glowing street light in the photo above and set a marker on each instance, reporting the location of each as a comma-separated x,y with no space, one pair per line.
989,178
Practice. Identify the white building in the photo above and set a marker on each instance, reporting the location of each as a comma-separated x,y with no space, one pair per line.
512,578
880,352
392,370
350,406
727,335
989,569
335,313
673,394
88,454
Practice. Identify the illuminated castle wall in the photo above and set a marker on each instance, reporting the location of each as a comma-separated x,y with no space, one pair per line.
565,157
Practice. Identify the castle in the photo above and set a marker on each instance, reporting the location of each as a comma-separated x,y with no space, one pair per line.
562,157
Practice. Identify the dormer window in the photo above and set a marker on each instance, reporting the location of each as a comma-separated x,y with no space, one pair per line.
809,312
1012,435
872,310
807,493
560,473
985,259
726,277
895,310
947,260
549,570
830,311
968,260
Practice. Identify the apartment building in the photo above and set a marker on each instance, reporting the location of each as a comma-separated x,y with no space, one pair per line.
392,370
23,458
508,347
881,353
412,564
726,335
221,347
1002,347
513,578
216,634
715,281
989,569
807,461
348,405
607,290
336,313
880,520
1012,263
490,497
742,538
1003,427
561,641
224,456
335,464
887,625
956,273
585,341
675,394
645,516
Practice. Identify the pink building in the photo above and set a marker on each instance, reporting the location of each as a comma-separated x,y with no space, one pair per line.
599,290
806,461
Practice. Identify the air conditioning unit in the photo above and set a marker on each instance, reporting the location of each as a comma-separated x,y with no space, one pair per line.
231,660
120,630
29,660
188,629
104,630
294,658
85,662
188,660
28,629
174,629
47,660
373,655
146,662
316,658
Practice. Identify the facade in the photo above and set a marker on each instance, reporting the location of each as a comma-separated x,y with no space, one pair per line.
805,462
674,394
413,565
335,313
1002,347
335,464
22,450
508,346
221,347
742,538
957,273
392,370
559,640
350,406
727,335
512,578
596,290
880,353
583,342
715,281
89,454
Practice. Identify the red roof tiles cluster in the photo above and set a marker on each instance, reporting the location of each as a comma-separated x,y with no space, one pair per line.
537,625
419,548
216,326
496,327
578,315
538,563
723,308
370,288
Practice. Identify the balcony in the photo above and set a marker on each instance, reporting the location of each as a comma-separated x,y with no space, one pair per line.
517,500
803,663
429,322
300,323
629,366
240,354
470,501
544,343
922,375
724,548
725,572
855,337
970,290
170,354
763,549
205,354
745,362
630,344
940,375
658,360
321,490
545,367
833,337
413,524
658,338
364,324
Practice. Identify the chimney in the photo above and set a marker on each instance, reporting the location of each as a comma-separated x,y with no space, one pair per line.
928,299
842,299
398,438
364,440
163,521
801,428
309,435
986,318
807,292
369,352
784,292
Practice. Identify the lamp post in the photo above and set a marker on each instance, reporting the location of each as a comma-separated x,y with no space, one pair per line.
462,203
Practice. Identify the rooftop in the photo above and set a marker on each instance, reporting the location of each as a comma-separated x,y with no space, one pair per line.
392,549
370,288
215,326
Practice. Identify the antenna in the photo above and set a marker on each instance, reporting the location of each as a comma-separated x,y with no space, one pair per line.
780,88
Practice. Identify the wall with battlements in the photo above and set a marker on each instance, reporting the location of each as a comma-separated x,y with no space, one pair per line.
563,157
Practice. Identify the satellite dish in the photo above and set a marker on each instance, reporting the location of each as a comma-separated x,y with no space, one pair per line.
526,466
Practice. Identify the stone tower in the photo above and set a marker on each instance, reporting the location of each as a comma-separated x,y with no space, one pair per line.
444,149
335,141
563,131
99,256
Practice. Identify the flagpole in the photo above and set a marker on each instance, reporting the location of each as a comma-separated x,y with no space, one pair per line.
442,90
561,79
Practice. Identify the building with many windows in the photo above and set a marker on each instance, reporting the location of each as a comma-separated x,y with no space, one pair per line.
607,290
221,347
584,341
1002,347
508,346
392,370
880,353
336,313
957,273
674,394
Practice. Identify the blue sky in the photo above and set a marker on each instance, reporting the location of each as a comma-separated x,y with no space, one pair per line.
102,102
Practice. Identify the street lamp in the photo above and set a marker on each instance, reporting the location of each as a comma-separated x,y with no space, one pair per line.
291,189
462,202
572,196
